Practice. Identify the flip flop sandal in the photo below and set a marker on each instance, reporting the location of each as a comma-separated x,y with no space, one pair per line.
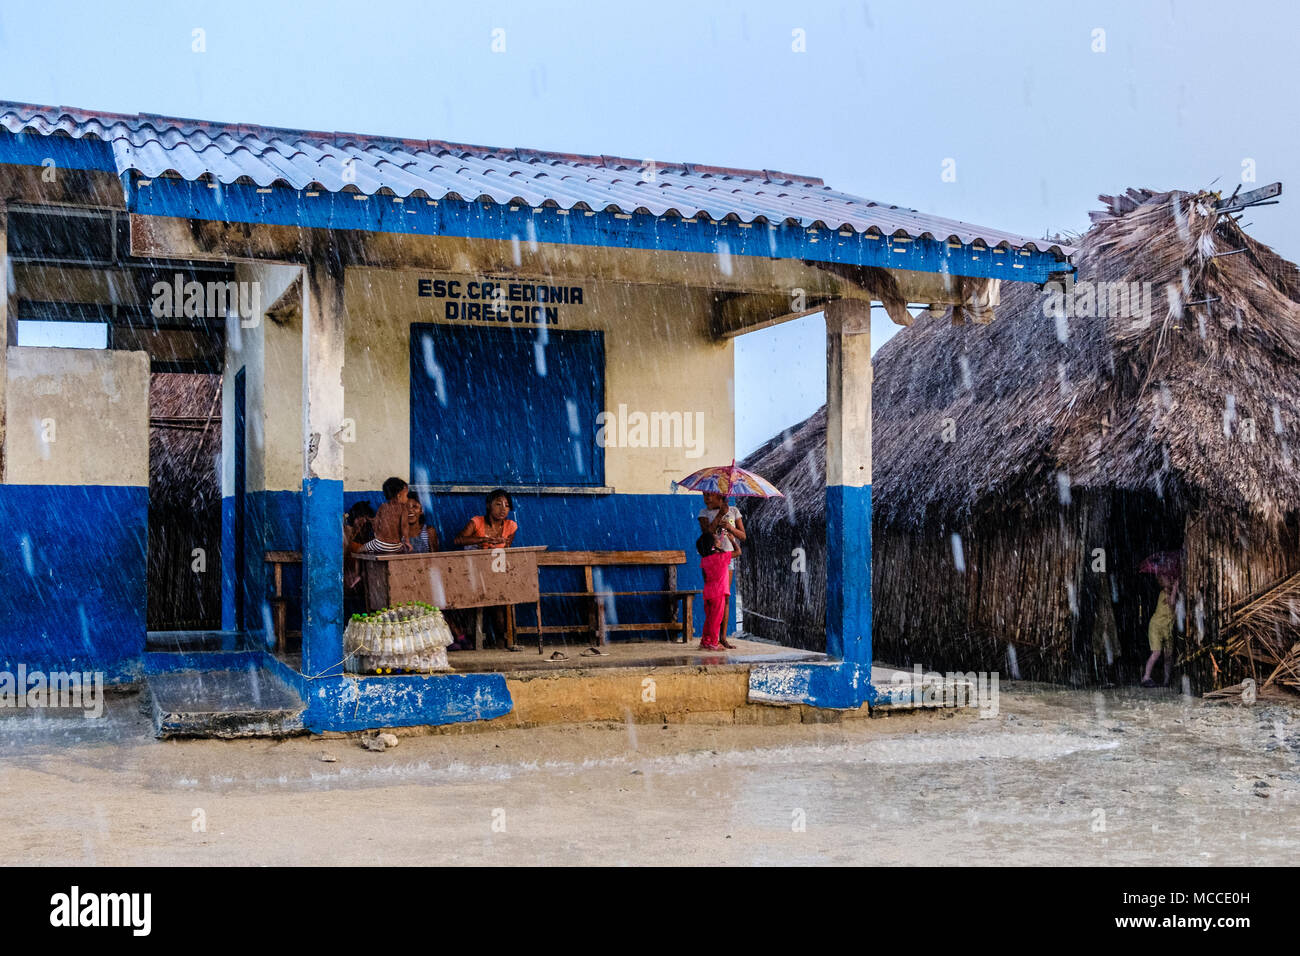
559,656
1148,682
594,652
514,649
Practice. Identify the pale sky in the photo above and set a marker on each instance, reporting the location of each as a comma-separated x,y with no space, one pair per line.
1039,111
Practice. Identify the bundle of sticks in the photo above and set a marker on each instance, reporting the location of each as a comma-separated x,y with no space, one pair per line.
1264,630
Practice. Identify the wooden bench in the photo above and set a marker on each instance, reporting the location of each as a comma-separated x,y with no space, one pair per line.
279,603
680,619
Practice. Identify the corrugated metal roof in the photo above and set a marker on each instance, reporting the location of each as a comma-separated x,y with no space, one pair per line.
156,146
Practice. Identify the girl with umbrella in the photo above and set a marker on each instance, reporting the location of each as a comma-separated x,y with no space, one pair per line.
723,526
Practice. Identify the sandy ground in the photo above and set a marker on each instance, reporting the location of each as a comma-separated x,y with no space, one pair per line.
1115,777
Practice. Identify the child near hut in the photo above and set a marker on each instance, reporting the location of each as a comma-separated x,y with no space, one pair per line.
724,524
1160,633
716,565
721,520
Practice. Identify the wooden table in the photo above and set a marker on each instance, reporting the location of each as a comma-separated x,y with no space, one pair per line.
454,580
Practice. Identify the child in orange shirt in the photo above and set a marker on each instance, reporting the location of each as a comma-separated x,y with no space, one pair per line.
493,528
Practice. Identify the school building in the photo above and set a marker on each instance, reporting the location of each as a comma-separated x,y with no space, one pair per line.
464,317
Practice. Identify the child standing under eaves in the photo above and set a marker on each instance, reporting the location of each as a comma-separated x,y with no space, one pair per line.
724,524
721,520
716,566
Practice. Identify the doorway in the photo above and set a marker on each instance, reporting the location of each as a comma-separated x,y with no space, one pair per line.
184,589
1140,525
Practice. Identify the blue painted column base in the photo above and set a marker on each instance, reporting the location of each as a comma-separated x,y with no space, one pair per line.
322,577
848,574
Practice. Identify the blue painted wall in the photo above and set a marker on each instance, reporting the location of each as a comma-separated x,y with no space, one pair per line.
473,424
73,561
228,563
274,523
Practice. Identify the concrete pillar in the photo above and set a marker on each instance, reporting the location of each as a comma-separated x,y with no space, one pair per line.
322,481
848,480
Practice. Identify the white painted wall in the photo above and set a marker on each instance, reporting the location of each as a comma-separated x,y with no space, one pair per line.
247,348
95,405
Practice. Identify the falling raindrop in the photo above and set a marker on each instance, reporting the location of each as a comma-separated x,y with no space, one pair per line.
433,370
25,545
958,554
964,364
1229,413
1175,298
514,251
1063,488
1062,326
1180,216
724,258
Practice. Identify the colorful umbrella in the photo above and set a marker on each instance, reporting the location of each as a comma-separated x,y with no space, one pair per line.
730,480
1167,566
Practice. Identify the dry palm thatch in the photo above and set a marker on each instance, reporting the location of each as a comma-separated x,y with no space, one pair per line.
1199,399
794,461
1262,630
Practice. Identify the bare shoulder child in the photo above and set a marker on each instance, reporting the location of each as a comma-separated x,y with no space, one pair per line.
391,521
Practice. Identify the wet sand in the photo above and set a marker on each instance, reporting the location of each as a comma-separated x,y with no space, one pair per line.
1058,777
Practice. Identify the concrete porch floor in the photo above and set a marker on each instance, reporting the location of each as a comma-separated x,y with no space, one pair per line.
636,654
622,654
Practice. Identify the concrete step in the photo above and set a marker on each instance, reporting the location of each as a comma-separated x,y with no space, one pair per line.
250,702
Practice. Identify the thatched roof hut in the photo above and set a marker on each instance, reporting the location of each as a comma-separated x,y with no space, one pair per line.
784,597
1023,469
